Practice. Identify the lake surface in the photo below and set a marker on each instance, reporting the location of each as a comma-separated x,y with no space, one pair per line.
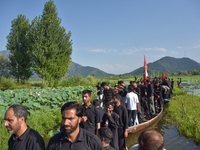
173,140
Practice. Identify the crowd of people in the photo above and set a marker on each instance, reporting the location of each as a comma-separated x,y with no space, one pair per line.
100,125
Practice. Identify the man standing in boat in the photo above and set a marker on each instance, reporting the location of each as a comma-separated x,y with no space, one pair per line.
150,98
132,105
123,122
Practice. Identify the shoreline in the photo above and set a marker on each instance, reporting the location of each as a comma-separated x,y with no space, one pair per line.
183,112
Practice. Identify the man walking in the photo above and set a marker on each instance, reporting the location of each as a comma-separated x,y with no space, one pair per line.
23,137
123,122
91,116
73,137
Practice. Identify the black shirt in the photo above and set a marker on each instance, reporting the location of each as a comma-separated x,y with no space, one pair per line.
102,112
93,117
150,90
113,122
123,116
109,148
142,89
85,141
100,90
29,140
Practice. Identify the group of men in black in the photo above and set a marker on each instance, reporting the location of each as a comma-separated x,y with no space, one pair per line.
90,126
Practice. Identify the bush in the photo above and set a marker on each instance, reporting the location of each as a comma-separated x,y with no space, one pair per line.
6,84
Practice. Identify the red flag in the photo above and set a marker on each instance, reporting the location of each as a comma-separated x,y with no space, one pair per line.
163,76
166,74
145,71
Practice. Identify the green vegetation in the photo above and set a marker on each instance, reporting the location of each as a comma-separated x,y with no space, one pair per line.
188,122
42,47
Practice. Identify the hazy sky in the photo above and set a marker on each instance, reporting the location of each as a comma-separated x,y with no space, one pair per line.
114,35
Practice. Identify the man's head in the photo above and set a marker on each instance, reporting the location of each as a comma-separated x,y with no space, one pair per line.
134,84
117,98
130,88
86,95
71,116
96,103
105,134
150,140
104,85
139,83
15,118
110,106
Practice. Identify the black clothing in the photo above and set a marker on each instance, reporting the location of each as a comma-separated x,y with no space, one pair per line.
100,90
102,112
123,125
113,122
29,140
123,95
142,89
108,94
85,141
109,148
149,90
93,117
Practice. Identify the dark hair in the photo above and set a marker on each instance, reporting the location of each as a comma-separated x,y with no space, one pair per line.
147,140
110,103
120,82
118,96
19,111
105,133
104,84
130,88
87,92
75,105
96,102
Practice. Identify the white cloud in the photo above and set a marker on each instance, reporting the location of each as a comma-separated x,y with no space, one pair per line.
173,52
134,50
102,50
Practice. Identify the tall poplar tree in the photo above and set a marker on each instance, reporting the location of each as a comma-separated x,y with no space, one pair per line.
17,43
50,44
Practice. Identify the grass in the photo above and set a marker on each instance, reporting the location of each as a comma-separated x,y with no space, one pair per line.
188,122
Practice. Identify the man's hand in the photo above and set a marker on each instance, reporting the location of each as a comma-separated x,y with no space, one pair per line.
84,119
126,133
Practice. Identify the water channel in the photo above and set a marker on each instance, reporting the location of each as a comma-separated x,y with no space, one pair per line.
173,140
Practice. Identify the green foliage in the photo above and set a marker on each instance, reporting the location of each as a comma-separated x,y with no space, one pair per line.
18,44
187,123
6,83
4,66
51,45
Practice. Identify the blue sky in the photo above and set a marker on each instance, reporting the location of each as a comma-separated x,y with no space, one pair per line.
114,35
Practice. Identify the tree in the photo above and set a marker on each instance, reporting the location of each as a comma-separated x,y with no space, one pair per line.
4,66
50,44
17,43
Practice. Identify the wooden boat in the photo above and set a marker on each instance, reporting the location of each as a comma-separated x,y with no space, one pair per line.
145,125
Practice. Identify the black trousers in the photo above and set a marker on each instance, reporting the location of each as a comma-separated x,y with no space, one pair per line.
121,139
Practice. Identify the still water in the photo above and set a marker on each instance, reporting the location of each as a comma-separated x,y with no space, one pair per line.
173,140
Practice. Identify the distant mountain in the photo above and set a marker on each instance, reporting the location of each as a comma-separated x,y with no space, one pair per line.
169,64
76,69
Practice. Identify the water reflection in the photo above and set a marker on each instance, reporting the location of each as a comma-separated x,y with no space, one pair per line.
173,140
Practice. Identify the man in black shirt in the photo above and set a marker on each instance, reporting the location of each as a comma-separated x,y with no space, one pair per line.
123,122
96,103
106,136
150,98
111,120
73,137
123,90
23,137
108,92
91,117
